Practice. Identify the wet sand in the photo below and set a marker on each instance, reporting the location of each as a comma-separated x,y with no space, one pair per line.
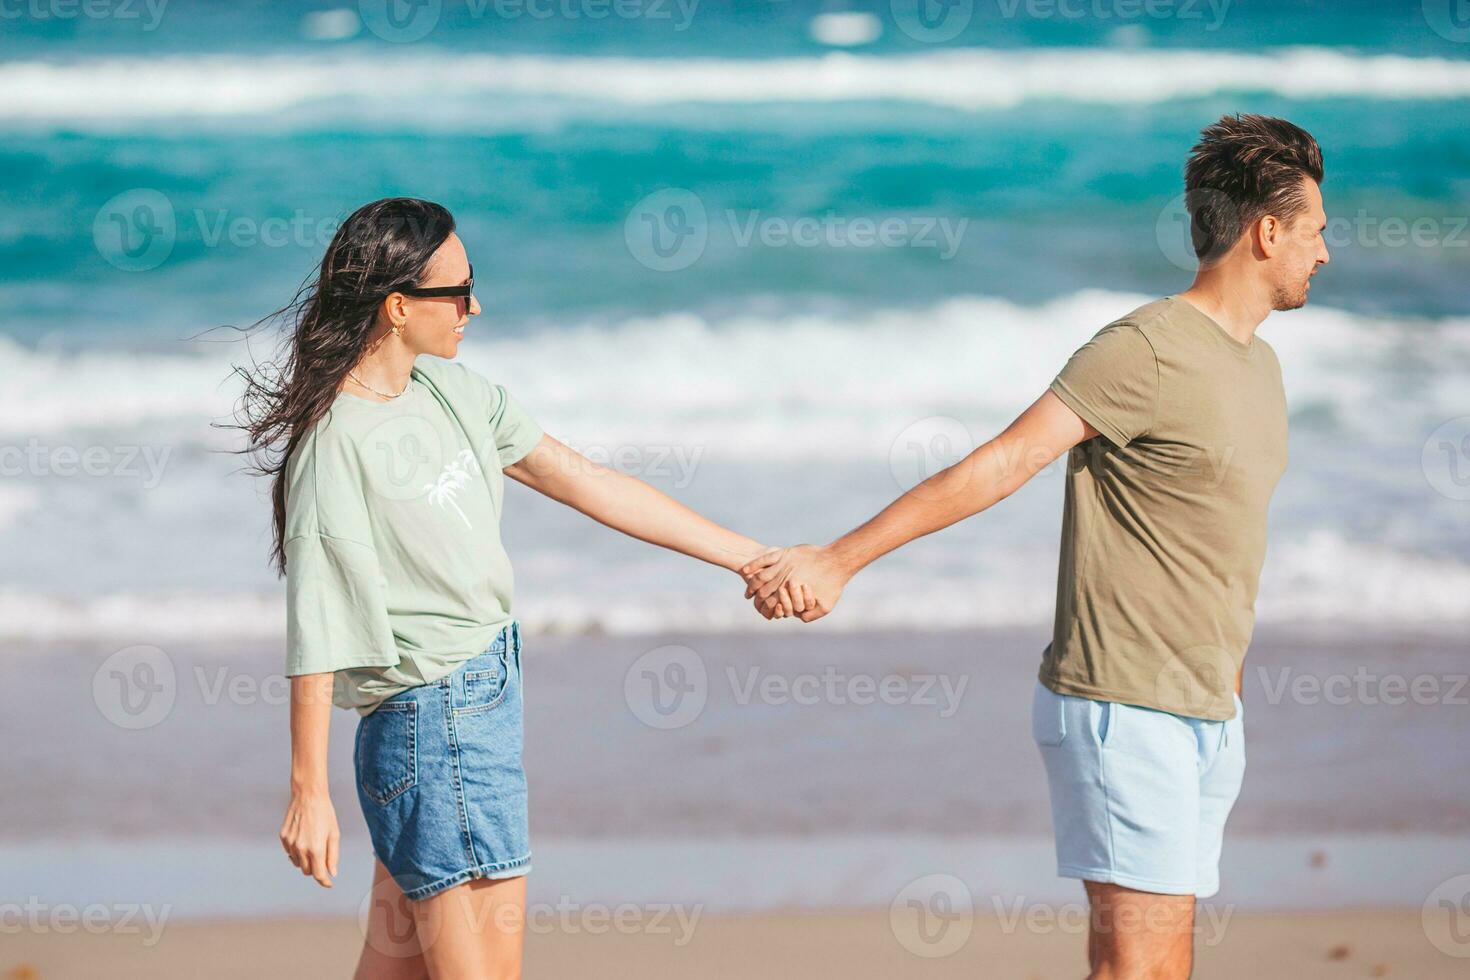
782,743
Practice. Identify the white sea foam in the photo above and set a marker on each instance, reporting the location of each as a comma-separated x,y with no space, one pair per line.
15,501
1323,578
854,380
685,392
118,89
48,392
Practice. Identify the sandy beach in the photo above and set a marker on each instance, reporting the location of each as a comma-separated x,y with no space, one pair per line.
757,813
856,946
791,730
782,261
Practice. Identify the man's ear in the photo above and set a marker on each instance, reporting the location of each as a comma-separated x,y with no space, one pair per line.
1270,231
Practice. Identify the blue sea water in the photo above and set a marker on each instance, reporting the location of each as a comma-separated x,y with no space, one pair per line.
166,170
629,187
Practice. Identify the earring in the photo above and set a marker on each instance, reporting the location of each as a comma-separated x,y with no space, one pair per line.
397,330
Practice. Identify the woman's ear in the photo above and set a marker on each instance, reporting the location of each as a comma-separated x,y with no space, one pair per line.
394,310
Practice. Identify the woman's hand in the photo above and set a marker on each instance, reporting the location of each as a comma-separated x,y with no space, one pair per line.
789,600
809,575
310,835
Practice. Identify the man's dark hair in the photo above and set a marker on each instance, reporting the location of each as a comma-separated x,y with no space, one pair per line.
1243,168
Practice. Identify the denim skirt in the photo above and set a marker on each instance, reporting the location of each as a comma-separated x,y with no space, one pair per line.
440,779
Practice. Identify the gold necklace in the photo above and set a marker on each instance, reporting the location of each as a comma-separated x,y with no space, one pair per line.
376,391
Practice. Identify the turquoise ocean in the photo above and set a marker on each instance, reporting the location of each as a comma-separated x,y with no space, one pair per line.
781,259
672,215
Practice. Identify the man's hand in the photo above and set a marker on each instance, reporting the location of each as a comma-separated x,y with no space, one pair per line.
805,580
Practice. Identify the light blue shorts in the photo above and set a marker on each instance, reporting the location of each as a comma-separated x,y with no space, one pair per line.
440,779
1139,797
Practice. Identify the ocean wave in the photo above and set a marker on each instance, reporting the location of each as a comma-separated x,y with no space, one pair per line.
49,391
734,384
115,90
16,501
1322,578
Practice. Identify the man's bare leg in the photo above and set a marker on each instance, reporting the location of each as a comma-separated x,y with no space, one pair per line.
1138,935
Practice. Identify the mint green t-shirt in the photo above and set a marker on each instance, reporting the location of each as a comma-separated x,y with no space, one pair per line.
395,572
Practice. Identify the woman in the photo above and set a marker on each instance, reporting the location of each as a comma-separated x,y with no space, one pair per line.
387,506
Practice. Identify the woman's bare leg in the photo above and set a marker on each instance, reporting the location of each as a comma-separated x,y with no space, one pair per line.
474,930
391,948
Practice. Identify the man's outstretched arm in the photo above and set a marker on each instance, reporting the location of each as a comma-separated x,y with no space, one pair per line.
991,473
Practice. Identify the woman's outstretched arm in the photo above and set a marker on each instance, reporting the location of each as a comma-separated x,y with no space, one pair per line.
627,504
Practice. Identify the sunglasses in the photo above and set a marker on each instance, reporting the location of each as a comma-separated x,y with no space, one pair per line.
432,292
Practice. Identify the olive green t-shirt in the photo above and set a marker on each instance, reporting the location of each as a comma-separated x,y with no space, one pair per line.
1164,526
395,573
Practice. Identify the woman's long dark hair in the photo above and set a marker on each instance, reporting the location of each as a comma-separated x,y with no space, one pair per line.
381,247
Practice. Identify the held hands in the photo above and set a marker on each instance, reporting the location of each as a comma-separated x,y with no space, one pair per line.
805,581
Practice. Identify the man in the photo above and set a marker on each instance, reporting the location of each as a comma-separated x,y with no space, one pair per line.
1175,423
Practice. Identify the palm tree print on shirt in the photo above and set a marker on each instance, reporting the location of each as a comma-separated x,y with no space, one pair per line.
456,474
